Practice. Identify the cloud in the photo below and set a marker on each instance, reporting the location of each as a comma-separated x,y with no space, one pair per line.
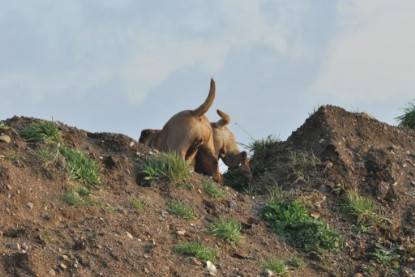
373,58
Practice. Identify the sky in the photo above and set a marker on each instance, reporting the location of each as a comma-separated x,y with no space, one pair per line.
127,65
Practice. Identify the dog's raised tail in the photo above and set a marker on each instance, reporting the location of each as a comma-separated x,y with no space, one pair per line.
202,109
224,120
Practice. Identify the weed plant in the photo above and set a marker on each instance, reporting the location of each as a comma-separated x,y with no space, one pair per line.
277,267
213,190
81,167
227,230
197,250
386,257
300,166
165,166
138,204
361,208
78,197
293,223
407,119
181,210
263,147
45,130
3,126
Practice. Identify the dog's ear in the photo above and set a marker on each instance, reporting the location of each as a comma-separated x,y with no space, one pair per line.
144,134
245,170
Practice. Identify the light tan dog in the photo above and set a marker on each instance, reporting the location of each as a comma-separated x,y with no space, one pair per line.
225,149
187,133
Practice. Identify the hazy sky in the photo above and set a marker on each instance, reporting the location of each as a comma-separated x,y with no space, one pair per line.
122,66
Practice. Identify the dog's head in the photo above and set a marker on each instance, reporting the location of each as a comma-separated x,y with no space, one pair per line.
147,135
239,161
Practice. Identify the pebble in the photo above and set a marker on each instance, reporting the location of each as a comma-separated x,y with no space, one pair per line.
52,272
5,138
267,273
129,235
15,246
30,205
211,268
181,232
63,266
25,246
233,204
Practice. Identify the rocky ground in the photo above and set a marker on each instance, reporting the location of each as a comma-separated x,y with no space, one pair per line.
332,153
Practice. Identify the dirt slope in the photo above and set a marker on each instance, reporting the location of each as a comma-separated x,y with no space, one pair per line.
41,235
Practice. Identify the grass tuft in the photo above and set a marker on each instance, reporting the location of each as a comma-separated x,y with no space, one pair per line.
78,197
261,148
213,190
407,119
227,230
181,210
197,250
278,267
138,204
362,208
293,223
167,166
81,167
45,130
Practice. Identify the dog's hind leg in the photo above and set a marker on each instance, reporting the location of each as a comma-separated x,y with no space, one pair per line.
206,163
192,150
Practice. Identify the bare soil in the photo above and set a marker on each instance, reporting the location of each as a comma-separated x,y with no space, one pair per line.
41,235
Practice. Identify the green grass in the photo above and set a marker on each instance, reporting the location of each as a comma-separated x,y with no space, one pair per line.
197,250
300,165
361,208
277,267
3,126
81,167
78,197
165,166
138,204
73,198
213,190
387,257
407,119
181,210
262,147
45,130
292,222
297,262
227,230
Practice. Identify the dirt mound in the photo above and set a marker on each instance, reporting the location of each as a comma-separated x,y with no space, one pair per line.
336,152
333,153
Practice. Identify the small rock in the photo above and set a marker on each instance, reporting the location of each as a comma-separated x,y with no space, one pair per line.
15,246
25,246
267,273
63,266
132,144
5,138
233,204
211,268
52,272
181,232
30,205
129,235
164,213
358,275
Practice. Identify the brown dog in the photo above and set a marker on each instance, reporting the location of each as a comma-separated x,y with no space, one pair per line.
225,149
187,133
